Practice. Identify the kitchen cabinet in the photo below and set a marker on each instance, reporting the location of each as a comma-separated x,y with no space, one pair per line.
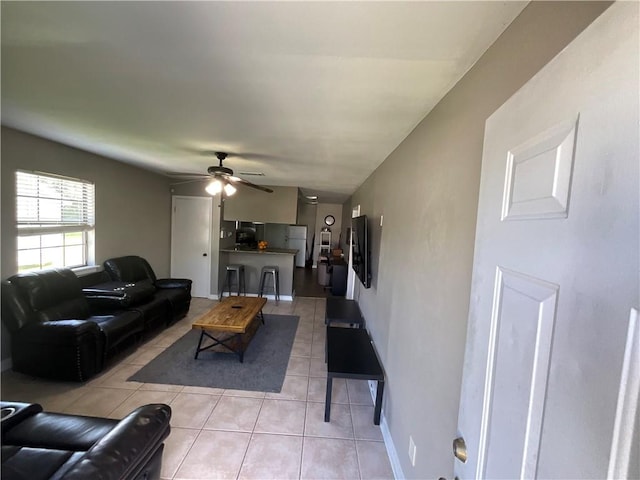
249,205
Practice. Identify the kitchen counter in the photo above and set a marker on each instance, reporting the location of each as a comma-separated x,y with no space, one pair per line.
274,251
253,260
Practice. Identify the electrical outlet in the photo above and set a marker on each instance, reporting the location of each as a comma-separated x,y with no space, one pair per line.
412,451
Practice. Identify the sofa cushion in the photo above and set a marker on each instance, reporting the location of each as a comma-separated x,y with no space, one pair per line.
156,311
59,431
25,463
130,268
59,446
52,294
117,328
16,311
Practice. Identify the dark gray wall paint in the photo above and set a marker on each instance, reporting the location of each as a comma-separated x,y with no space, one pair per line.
427,190
132,205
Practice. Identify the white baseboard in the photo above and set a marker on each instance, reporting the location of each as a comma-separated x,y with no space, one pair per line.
6,364
391,449
386,436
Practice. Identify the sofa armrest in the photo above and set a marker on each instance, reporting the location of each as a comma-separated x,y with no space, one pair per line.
113,296
60,332
174,283
59,349
127,449
15,412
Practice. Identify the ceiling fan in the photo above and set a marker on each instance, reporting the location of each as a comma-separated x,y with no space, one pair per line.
224,180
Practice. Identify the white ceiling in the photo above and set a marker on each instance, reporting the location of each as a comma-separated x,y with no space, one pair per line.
312,94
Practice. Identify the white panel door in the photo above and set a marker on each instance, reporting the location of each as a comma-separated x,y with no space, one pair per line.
555,264
191,242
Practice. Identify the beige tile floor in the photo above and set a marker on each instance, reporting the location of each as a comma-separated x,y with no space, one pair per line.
217,433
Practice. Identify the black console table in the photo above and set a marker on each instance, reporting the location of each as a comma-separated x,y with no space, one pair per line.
341,310
350,354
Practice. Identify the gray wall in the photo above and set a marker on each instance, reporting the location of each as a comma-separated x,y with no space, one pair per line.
422,257
132,205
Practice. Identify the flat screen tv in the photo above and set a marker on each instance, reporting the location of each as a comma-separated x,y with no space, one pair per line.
361,249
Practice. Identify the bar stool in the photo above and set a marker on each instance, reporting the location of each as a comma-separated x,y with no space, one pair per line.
269,270
228,279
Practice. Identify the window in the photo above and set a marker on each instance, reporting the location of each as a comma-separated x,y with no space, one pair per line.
55,217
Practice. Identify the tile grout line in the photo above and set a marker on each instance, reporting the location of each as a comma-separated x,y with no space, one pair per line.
187,453
315,337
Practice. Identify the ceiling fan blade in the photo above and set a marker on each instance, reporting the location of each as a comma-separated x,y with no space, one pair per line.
192,180
240,181
186,175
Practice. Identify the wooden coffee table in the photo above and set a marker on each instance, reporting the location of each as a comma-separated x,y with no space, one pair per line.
230,324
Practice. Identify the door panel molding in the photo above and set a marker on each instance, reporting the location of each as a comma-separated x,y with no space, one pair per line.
538,174
535,300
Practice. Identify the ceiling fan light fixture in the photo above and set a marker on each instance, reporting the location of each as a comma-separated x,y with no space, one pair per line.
214,187
229,189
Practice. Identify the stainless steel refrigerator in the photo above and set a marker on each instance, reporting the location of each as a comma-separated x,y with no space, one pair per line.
297,240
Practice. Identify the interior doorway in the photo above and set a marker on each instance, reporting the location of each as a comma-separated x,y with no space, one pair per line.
191,242
305,283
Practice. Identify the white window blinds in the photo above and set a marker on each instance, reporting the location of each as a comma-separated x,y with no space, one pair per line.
50,201
55,221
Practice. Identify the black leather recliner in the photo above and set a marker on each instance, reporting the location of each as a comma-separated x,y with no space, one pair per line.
53,332
106,295
39,445
135,269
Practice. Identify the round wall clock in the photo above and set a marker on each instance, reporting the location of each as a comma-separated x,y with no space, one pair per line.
329,220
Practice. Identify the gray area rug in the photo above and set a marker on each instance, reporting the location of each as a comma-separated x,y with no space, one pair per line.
263,370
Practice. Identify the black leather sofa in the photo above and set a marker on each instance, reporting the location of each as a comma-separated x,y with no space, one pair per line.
65,328
54,332
39,445
106,295
136,270
130,283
